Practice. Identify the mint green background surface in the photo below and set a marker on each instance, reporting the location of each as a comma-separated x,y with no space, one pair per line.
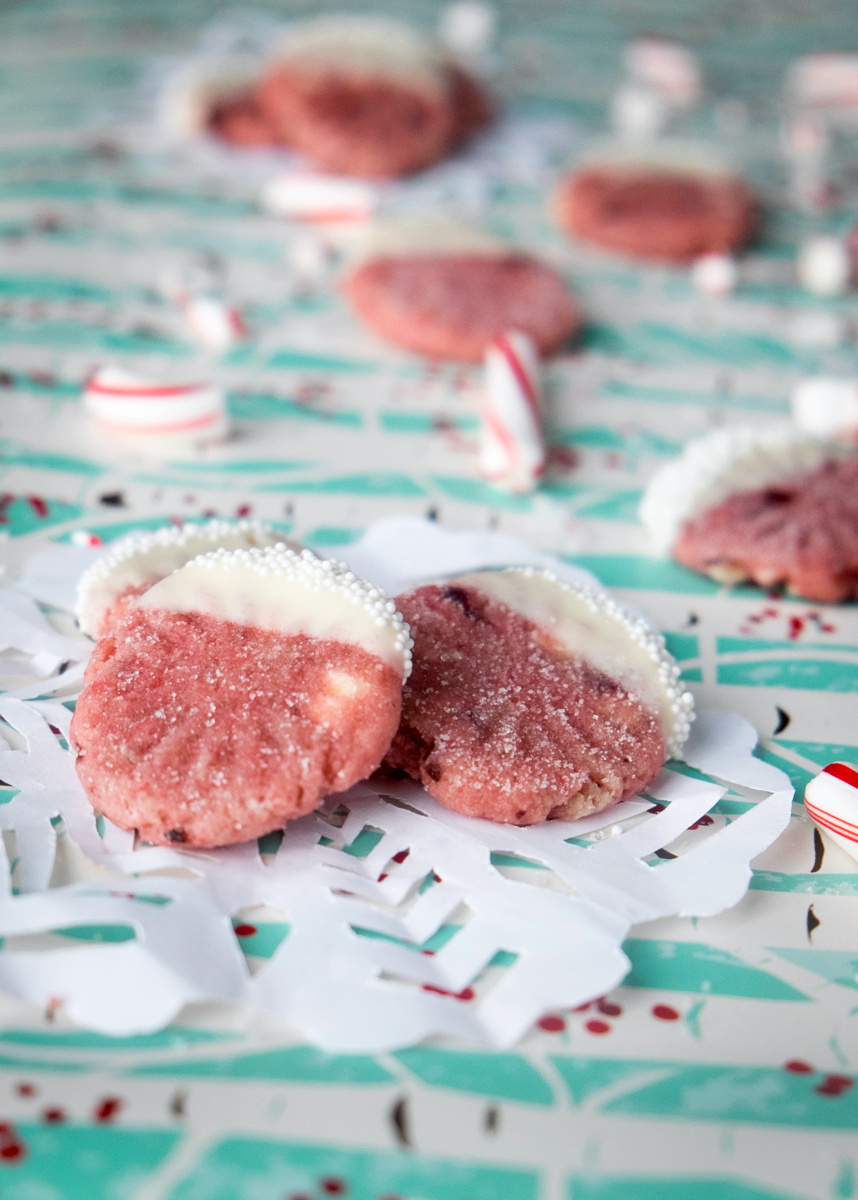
725,1065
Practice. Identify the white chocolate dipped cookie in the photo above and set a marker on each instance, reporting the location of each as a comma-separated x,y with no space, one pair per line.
666,203
358,95
136,562
236,693
771,506
531,698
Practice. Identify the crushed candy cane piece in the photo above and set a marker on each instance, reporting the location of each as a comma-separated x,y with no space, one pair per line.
666,67
512,449
831,799
212,322
306,196
826,406
824,266
714,274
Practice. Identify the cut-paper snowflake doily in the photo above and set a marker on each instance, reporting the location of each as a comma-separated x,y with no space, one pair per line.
404,919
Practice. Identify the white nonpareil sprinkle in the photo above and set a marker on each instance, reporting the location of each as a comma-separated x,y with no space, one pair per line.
104,581
677,707
330,579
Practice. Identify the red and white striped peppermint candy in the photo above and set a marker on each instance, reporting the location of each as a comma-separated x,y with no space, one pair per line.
128,406
832,801
319,199
512,449
825,82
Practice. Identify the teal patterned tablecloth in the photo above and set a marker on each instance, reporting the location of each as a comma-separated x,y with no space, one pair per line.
725,1065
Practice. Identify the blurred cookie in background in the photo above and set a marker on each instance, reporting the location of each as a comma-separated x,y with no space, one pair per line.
446,290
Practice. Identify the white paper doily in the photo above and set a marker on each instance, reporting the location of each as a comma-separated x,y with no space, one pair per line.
517,921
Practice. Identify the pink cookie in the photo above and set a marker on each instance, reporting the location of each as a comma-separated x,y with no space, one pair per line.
236,693
447,292
651,212
831,799
133,564
533,699
775,508
359,96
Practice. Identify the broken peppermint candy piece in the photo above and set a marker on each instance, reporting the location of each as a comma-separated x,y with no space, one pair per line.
831,799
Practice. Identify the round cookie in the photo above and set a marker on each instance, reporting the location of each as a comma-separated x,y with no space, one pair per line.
665,211
359,96
236,693
532,699
134,563
774,507
447,291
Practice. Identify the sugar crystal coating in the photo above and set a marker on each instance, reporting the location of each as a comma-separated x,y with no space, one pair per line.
134,563
501,720
204,732
291,592
452,306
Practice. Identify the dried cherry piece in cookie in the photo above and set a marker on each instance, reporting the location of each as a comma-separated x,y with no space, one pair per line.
447,291
652,212
236,693
133,564
532,699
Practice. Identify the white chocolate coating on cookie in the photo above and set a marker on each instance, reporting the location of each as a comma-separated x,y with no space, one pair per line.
366,45
431,236
592,626
288,592
144,558
719,465
673,156
191,94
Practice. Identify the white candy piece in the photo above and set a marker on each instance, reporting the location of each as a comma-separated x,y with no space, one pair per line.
826,406
512,448
714,274
831,799
305,196
212,322
288,592
824,266
468,28
141,559
592,626
638,113
369,45
716,466
153,413
666,67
